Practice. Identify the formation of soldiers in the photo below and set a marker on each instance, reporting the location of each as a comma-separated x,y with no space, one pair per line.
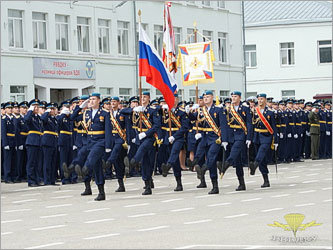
86,138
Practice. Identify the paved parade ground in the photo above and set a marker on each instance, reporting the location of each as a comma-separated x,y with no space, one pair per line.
58,217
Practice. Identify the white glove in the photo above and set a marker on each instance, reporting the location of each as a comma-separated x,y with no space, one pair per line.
313,110
6,147
289,135
281,136
307,133
128,149
328,132
187,108
48,110
133,140
248,143
20,147
165,106
171,139
107,150
295,136
139,109
195,106
31,108
65,111
198,136
142,135
84,104
276,146
301,135
74,147
224,144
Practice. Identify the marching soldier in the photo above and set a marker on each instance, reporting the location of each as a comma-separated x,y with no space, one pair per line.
314,121
213,137
240,132
33,142
264,137
8,142
323,129
49,143
328,139
147,120
290,130
307,143
176,123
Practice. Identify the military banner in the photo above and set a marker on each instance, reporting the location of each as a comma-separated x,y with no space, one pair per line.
196,61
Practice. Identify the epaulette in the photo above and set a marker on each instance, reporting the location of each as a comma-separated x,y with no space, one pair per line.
182,109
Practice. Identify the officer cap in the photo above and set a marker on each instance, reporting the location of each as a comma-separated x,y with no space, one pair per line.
34,102
8,105
134,99
15,104
290,101
43,104
227,100
2,105
301,101
270,99
328,103
282,102
236,93
308,104
275,101
50,105
75,99
154,102
251,99
161,99
106,100
23,104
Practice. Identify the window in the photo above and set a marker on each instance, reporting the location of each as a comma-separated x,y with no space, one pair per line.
287,53
325,51
224,94
250,56
207,35
124,94
222,46
178,35
190,36
123,33
206,3
180,95
15,29
83,27
105,92
39,30
287,94
104,36
158,38
221,4
62,33
192,95
17,93
145,27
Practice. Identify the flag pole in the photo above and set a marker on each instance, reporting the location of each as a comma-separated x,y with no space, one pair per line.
140,82
196,82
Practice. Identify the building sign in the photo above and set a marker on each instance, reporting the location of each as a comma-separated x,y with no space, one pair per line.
64,69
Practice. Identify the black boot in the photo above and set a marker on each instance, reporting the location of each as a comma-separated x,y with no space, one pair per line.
84,171
87,191
101,194
189,164
253,168
121,187
127,165
215,189
165,169
202,182
241,186
201,171
67,170
266,181
225,166
179,184
152,185
78,171
148,188
198,170
133,165
219,166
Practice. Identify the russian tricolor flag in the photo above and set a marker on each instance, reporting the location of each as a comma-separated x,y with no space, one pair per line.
152,67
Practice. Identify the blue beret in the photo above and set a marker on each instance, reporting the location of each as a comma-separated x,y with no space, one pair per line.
34,102
23,104
146,93
261,95
115,98
200,97
208,92
96,94
84,97
8,105
134,99
236,93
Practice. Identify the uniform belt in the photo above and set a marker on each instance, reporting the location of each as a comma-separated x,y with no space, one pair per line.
75,129
329,122
170,129
278,126
34,132
24,133
235,126
116,131
283,125
315,125
207,129
259,130
50,133
10,134
81,131
322,121
143,129
65,132
304,123
96,132
298,124
291,123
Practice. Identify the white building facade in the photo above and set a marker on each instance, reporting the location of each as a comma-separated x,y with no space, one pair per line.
57,50
288,48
